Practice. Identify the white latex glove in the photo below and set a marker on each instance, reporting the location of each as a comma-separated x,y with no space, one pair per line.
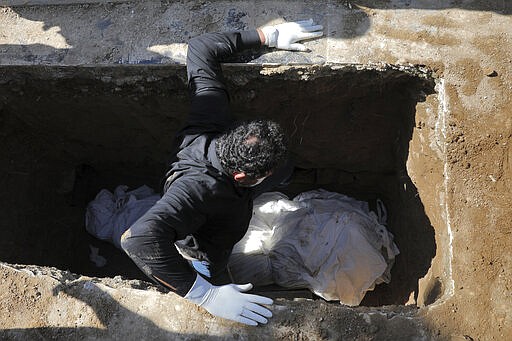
229,301
285,36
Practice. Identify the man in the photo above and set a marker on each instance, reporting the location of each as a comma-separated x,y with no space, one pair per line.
184,241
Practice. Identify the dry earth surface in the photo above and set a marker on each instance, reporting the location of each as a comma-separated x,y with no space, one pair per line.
458,159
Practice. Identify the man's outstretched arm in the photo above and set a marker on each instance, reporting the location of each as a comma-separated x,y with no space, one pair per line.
210,100
207,86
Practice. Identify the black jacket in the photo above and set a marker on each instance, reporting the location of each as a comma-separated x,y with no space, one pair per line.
199,198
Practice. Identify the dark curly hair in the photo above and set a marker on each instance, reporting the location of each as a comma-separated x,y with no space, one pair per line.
253,147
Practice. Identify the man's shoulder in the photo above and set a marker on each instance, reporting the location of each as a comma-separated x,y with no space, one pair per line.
204,176
201,185
195,145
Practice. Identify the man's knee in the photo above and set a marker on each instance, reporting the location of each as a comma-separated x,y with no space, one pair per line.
125,240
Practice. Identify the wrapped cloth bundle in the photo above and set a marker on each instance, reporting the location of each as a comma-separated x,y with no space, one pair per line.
327,242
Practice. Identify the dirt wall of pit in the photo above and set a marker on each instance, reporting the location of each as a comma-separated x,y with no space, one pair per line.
457,161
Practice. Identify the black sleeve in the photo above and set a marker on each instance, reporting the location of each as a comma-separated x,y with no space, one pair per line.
210,100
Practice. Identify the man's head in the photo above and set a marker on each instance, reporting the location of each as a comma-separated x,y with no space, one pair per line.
251,150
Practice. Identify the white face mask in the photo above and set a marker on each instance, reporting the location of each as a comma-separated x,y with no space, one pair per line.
259,181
